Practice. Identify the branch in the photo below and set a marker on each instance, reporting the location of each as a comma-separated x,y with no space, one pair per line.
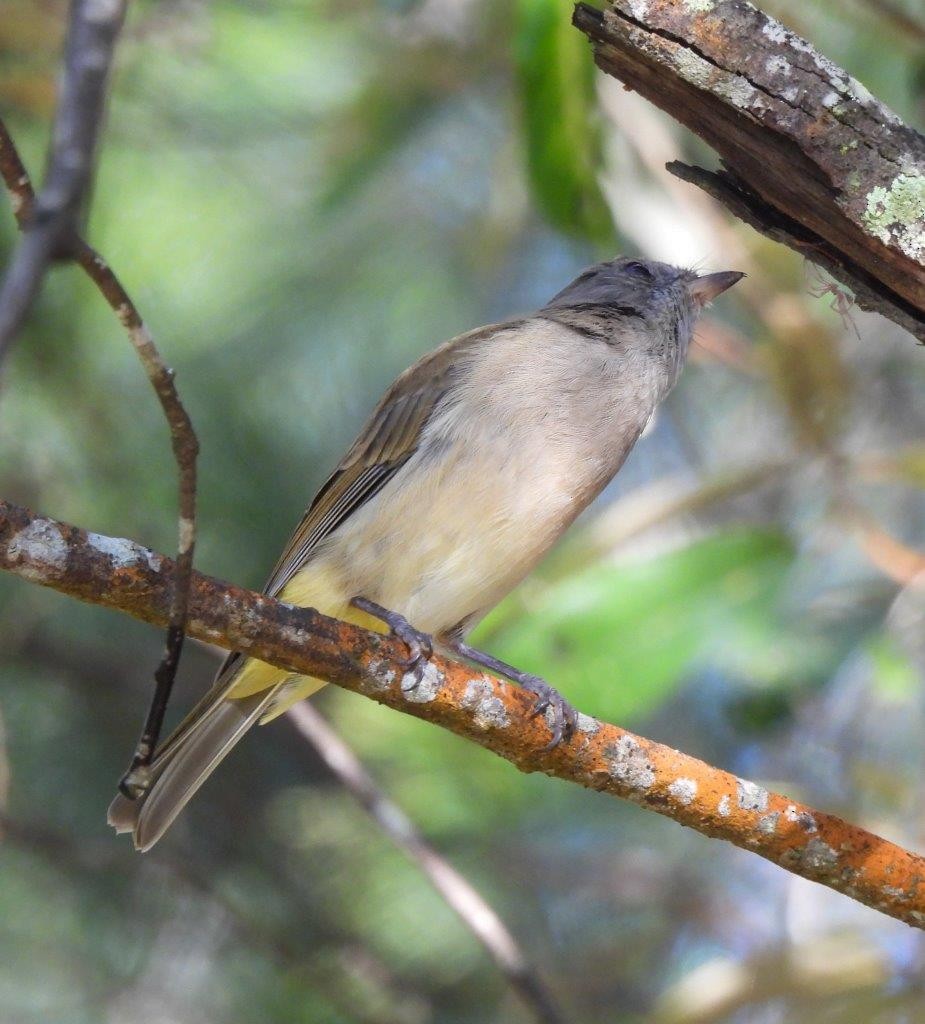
53,222
182,435
124,575
810,157
476,913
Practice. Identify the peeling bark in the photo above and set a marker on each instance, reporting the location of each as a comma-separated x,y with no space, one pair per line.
810,157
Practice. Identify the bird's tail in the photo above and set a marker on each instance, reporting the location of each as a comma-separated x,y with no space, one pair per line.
246,691
199,744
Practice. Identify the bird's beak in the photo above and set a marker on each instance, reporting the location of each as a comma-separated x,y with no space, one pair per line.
705,289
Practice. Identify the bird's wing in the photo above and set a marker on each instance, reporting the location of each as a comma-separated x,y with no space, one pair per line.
389,439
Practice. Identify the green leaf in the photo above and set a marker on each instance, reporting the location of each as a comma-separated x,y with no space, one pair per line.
618,639
894,676
556,75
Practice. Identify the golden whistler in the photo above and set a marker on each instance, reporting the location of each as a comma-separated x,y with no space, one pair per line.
474,462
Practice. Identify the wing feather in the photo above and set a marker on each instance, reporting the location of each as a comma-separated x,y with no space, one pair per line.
390,437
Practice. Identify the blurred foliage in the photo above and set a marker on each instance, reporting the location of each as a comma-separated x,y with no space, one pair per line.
643,624
561,136
302,197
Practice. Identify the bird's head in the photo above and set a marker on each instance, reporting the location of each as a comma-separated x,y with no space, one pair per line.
643,302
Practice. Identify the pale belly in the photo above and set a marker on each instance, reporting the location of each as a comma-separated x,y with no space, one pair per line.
444,545
498,477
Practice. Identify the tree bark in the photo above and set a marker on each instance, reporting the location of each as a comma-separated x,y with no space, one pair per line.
810,157
124,575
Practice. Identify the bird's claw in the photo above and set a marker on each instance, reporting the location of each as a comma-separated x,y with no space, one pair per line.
564,717
420,648
420,645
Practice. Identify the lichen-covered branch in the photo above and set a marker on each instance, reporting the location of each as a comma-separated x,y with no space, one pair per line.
124,575
810,157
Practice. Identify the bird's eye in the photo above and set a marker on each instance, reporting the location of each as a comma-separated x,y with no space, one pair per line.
638,270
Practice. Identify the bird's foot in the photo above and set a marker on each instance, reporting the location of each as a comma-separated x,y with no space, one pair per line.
564,717
420,645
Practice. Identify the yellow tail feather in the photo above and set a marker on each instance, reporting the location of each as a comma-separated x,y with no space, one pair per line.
259,693
314,587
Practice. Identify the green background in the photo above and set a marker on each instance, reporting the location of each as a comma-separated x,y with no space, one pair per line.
303,197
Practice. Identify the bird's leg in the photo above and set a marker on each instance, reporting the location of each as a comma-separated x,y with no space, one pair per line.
564,716
420,645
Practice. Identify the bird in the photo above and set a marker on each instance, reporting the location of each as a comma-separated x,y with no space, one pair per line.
475,461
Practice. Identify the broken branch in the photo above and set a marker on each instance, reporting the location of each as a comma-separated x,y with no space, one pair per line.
810,157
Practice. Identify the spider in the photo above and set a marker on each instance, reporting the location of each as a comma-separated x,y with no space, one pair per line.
842,300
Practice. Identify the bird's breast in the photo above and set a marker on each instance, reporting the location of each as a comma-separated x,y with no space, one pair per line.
497,478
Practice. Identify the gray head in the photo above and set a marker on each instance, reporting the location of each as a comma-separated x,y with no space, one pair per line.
638,302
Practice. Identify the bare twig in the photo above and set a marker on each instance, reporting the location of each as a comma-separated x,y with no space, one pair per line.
182,436
96,857
121,574
16,178
476,913
901,563
54,220
185,451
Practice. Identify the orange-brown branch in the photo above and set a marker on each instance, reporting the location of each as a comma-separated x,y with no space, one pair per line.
124,575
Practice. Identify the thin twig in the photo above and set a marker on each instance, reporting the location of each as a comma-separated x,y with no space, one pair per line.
901,563
121,574
16,178
182,438
185,451
475,912
96,857
54,219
